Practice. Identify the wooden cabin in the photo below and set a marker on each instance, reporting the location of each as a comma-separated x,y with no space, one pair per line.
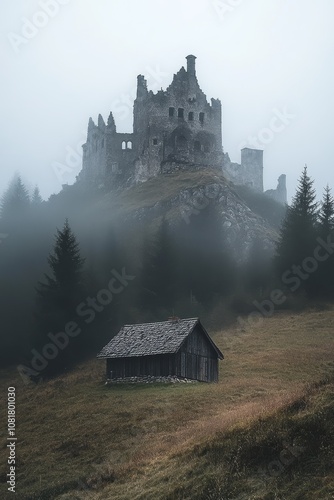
177,347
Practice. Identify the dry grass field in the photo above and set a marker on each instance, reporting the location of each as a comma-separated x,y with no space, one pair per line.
265,431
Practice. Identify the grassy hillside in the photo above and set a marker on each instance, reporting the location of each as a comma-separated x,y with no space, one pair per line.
265,431
161,196
163,188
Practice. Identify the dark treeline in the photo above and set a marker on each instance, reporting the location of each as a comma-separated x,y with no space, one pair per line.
70,279
304,261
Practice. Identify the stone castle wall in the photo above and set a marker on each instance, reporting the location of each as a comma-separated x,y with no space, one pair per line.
173,130
249,172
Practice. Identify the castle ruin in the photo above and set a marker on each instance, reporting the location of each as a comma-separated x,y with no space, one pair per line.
175,129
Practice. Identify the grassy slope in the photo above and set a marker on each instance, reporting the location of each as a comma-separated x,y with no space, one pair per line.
81,439
164,188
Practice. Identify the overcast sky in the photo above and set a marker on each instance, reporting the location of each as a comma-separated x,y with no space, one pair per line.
269,61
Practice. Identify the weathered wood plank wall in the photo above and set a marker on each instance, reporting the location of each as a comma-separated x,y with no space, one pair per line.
197,360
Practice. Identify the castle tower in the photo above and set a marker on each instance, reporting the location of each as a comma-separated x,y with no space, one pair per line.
282,195
252,168
111,123
191,65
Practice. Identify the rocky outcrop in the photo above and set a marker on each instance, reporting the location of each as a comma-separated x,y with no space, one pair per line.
241,226
181,196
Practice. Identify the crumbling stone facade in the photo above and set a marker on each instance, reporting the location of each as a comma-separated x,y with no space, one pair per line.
280,193
249,172
173,130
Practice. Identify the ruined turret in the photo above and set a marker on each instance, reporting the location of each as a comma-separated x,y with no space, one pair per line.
111,123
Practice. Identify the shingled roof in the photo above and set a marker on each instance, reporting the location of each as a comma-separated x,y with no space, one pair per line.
150,339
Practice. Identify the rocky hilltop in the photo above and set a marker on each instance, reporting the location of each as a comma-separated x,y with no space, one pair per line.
181,196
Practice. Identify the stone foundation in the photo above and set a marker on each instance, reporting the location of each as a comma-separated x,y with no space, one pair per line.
150,380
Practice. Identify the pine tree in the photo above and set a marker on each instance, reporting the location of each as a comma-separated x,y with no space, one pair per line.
326,215
15,202
299,228
325,273
59,295
65,282
36,199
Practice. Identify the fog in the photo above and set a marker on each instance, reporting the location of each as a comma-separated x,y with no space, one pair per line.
259,57
78,262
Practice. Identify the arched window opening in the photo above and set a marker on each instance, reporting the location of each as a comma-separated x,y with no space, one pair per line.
129,145
155,141
201,117
191,116
123,145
